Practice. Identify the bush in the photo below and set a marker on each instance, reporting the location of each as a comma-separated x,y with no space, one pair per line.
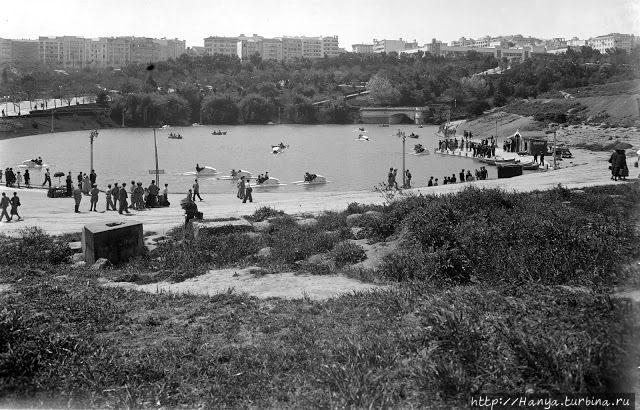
264,212
347,253
34,248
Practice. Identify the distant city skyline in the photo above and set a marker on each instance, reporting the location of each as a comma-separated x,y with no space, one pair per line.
358,21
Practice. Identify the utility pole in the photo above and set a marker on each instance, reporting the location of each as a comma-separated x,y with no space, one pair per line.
123,118
402,135
92,136
51,120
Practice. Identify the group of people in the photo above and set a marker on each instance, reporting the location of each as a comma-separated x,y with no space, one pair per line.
484,148
117,196
262,178
14,202
37,161
245,190
15,178
618,167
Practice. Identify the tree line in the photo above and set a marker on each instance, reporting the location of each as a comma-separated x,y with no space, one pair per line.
222,89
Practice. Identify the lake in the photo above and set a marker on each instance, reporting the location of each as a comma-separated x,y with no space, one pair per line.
122,155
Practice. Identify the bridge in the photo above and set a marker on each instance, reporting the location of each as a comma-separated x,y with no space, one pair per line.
393,115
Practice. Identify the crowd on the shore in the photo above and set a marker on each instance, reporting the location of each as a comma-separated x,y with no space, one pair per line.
483,149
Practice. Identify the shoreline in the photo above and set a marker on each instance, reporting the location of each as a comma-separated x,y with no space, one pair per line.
56,216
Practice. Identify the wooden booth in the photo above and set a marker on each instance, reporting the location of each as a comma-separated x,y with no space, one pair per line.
527,142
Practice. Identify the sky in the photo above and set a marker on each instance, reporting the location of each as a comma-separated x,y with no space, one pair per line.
353,21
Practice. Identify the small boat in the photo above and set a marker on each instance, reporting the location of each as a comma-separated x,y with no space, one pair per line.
195,124
164,127
412,135
312,179
238,174
362,138
278,149
219,133
383,125
271,182
361,129
31,163
206,171
175,136
418,149
420,126
271,123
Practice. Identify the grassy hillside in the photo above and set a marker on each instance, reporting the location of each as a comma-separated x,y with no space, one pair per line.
20,127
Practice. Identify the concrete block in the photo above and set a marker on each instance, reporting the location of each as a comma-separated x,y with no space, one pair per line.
221,227
117,242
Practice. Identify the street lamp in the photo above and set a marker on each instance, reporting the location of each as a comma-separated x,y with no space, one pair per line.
92,136
60,88
549,131
402,135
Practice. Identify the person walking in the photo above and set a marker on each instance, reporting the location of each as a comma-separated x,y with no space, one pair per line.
93,176
152,199
69,183
620,166
77,197
86,184
247,192
133,203
240,186
110,204
407,175
138,201
115,193
190,196
165,195
18,179
395,180
196,190
27,179
542,158
430,183
47,178
535,157
390,178
4,204
94,198
122,198
461,176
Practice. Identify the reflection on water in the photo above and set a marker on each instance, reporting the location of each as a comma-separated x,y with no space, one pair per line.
122,155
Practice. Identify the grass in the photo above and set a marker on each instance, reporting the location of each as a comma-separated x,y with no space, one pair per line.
477,308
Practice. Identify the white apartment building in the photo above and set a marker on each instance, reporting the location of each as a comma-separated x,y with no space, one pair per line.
362,48
613,40
330,46
227,46
5,51
312,47
463,42
291,47
170,48
387,46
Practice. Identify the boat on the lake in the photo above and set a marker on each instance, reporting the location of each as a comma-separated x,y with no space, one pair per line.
362,138
175,136
270,182
412,135
234,175
279,148
219,132
32,163
312,179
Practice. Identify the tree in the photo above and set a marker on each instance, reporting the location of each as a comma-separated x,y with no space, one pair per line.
381,92
255,109
475,87
219,110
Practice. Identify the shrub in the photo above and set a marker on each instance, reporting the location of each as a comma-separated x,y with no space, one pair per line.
263,213
34,248
347,253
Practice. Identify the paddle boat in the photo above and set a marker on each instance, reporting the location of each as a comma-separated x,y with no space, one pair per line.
219,132
164,127
412,135
202,171
235,175
361,129
195,124
362,138
277,149
312,179
175,136
383,125
271,182
32,163
420,126
418,149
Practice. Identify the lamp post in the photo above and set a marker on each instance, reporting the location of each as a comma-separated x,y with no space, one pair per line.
92,136
402,135
60,88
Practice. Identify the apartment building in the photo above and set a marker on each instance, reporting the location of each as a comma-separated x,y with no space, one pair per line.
227,46
387,46
118,51
330,46
170,48
291,47
613,40
144,50
439,48
362,48
5,51
463,42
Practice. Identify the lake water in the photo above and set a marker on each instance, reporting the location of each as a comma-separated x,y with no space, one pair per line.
329,150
